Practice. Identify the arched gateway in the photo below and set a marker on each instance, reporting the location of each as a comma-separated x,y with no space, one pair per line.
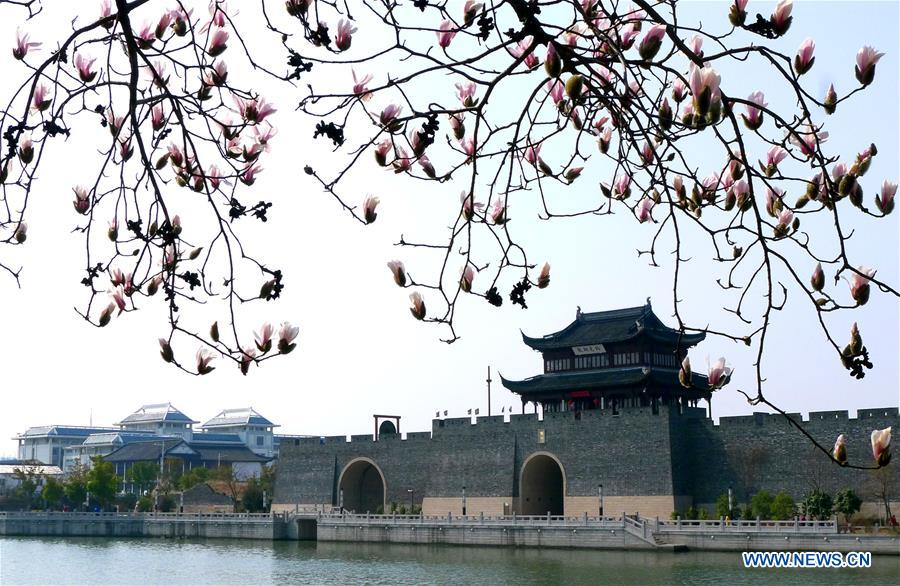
361,487
542,486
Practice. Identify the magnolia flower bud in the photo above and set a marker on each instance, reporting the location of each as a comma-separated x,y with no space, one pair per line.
665,115
417,307
214,331
552,64
544,276
818,278
684,373
21,232
881,446
574,87
839,452
831,98
573,173
398,271
855,346
106,315
166,350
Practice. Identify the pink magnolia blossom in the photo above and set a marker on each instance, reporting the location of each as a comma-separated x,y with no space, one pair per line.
381,151
718,374
803,61
389,115
469,146
263,135
164,21
696,45
468,205
403,161
704,83
40,101
533,153
81,202
678,90
146,35
217,13
753,117
218,42
859,284
773,200
785,218
685,376
204,357
498,212
465,91
118,297
23,46
254,111
781,17
264,338
866,58
457,126
248,175
360,85
556,90
881,446
544,276
417,305
398,271
369,214
21,232
286,336
26,149
85,66
157,117
809,140
775,155
217,75
344,35
622,186
427,167
180,20
817,280
446,33
885,200
627,34
248,355
523,48
466,276
644,208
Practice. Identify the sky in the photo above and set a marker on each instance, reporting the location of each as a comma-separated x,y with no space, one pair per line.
359,350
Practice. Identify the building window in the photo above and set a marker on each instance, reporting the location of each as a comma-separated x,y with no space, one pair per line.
259,440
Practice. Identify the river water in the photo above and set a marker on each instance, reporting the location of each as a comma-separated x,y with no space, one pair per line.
97,561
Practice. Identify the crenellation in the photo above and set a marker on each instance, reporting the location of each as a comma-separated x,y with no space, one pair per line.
813,415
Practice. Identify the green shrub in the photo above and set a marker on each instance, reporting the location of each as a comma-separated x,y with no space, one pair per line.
762,504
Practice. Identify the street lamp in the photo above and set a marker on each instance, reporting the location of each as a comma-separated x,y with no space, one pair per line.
600,498
464,501
411,492
729,502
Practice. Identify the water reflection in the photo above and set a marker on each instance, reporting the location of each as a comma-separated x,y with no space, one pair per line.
165,561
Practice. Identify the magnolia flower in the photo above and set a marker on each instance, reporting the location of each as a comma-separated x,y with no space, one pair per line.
297,8
704,83
204,357
866,58
254,111
40,101
468,206
389,115
573,173
468,146
533,153
286,336
154,284
754,116
466,276
446,33
775,155
552,64
264,136
399,272
643,209
381,151
344,35
218,42
23,45
457,126
719,374
157,117
524,47
180,19
498,212
622,186
403,161
839,452
264,338
652,41
785,218
217,75
781,17
678,90
81,202
737,14
112,232
773,201
247,357
804,59
427,167
818,278
881,446
544,276
417,307
369,205
248,175
685,377
696,45
885,200
105,11
26,149
145,36
808,141
859,284
118,297
359,85
466,93
84,66
470,10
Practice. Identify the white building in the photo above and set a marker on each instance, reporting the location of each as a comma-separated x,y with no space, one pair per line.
103,444
160,419
47,443
9,480
255,431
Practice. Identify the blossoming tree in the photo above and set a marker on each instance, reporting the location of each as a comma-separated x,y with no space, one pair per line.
543,90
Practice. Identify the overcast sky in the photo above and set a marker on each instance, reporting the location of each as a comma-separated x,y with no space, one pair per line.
360,352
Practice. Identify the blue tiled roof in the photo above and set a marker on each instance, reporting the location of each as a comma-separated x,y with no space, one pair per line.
157,413
207,437
237,417
63,431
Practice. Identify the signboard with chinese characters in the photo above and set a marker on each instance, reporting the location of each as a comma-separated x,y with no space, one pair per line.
592,349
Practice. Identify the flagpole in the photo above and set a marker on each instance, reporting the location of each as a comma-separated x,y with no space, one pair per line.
489,390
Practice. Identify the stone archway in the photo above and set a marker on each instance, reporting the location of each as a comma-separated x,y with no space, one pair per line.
363,487
542,485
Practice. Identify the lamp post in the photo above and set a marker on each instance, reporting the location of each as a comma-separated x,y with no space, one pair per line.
730,506
341,500
464,501
411,493
600,498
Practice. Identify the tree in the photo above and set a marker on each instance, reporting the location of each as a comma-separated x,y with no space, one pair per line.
761,504
783,506
102,482
723,510
847,503
193,477
817,505
53,492
883,487
75,486
226,475
252,499
703,170
27,482
143,474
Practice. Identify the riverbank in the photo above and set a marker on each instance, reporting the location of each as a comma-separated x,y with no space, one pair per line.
623,533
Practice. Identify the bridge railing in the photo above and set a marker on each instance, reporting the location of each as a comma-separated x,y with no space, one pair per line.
746,525
123,516
347,518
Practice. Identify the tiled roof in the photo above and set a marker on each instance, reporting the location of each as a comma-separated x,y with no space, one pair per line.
157,413
226,453
234,417
122,437
62,431
142,451
216,437
618,325
36,468
598,379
